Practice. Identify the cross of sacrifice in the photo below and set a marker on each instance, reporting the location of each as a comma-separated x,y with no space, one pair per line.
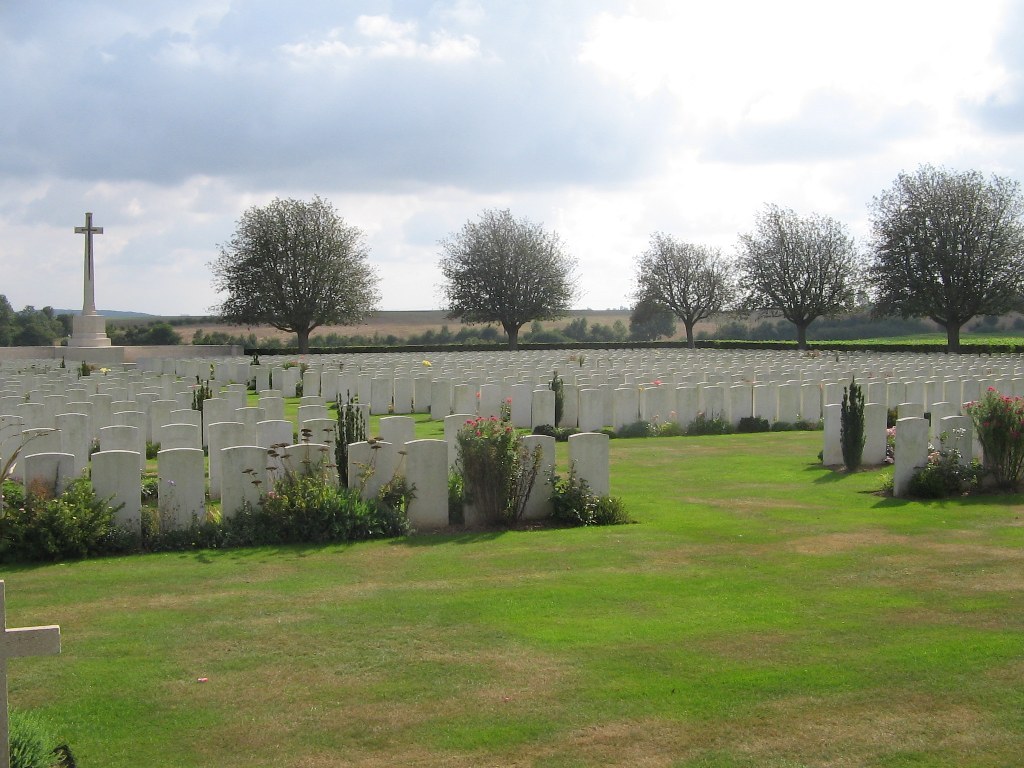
89,230
27,641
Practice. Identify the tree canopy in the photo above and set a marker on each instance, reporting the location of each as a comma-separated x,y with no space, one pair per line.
31,327
296,266
693,281
801,268
948,246
506,270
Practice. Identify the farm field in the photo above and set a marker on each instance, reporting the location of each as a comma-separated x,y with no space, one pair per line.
762,611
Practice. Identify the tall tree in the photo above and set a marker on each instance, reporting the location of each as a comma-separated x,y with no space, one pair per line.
693,281
8,322
296,266
948,246
650,321
798,268
506,270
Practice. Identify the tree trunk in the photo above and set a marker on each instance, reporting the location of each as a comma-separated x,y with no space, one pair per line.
689,335
801,335
513,337
953,337
303,339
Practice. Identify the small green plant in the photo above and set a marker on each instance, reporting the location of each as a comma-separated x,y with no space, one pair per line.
783,426
150,487
574,504
806,425
639,428
351,429
945,474
753,424
999,424
32,740
456,498
152,449
851,426
561,434
85,369
713,425
671,429
200,392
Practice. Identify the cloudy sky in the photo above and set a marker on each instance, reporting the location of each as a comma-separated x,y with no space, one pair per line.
604,120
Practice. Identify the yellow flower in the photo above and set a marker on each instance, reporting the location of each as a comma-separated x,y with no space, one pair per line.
427,363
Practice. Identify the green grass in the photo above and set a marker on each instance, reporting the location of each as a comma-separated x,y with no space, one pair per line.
764,611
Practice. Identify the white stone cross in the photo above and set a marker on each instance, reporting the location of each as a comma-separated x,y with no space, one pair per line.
89,304
27,641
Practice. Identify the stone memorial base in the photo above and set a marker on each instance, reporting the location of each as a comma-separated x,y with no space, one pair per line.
89,331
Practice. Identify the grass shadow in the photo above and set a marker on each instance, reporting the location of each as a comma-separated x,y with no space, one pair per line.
447,537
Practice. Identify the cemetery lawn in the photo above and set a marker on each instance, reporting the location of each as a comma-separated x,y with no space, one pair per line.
763,611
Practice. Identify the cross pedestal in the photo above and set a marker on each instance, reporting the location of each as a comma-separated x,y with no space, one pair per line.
15,643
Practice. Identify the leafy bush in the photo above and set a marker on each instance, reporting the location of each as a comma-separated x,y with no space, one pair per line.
944,475
150,488
152,449
456,498
74,525
753,424
561,434
671,429
806,425
351,429
999,426
783,426
702,425
497,471
32,740
638,429
574,504
851,425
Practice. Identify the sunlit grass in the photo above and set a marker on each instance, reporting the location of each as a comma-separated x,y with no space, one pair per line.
763,611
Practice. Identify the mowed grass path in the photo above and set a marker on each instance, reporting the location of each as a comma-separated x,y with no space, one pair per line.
764,611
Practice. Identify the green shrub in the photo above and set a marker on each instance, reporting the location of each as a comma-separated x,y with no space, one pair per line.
152,449
851,425
806,425
498,472
610,431
201,392
150,488
999,426
32,740
753,424
671,429
574,504
783,426
456,498
547,430
307,509
702,425
639,428
74,525
944,475
351,429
